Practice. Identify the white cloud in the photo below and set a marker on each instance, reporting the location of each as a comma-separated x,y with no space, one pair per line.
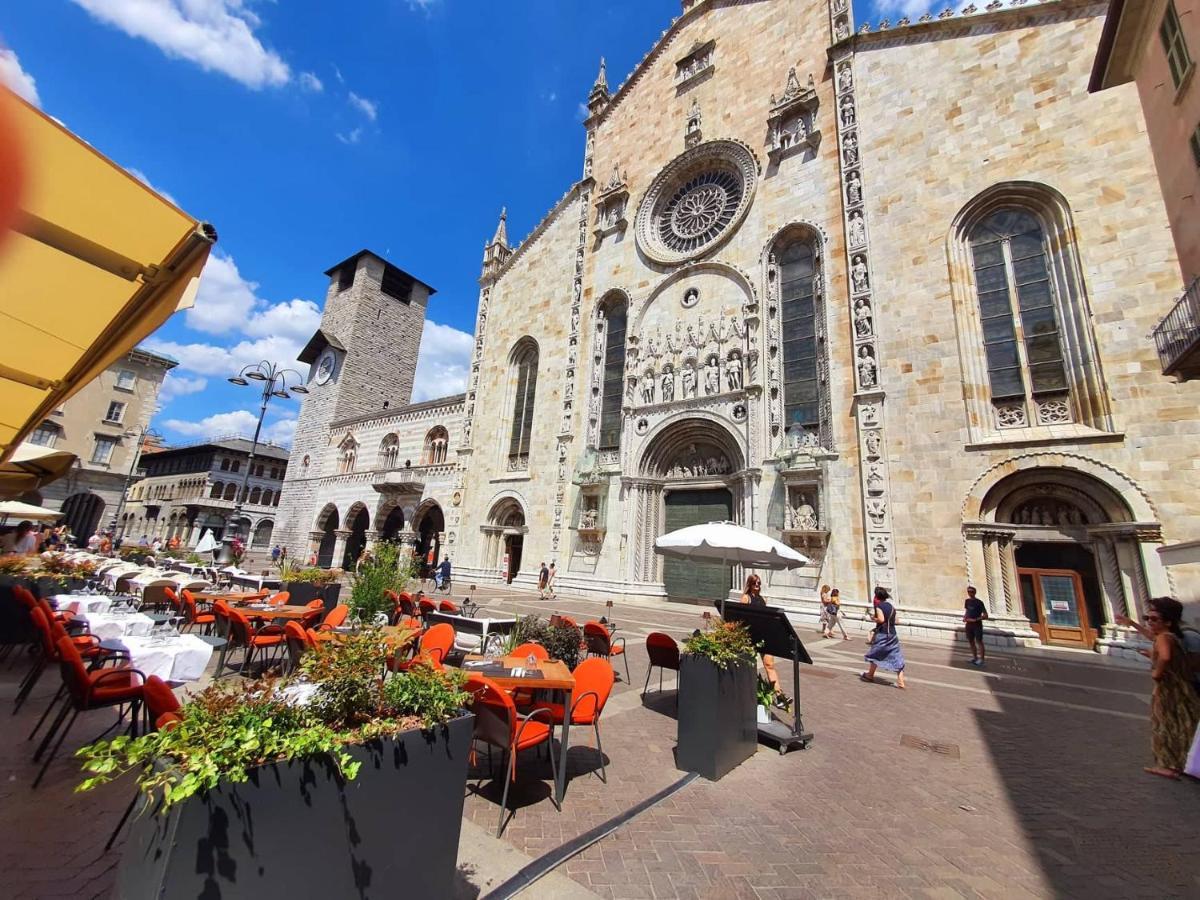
422,5
217,35
443,363
180,386
237,422
352,138
582,112
280,432
141,176
369,108
219,361
310,82
227,302
16,78
338,73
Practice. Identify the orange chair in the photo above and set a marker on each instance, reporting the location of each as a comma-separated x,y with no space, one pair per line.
594,680
524,696
297,643
557,619
336,617
432,649
162,710
498,724
192,618
407,606
426,606
243,634
600,642
224,629
25,598
448,606
172,598
87,691
281,598
49,631
316,609
663,653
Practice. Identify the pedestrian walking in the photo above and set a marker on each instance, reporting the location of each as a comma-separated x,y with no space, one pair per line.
831,613
885,651
275,551
752,595
1174,706
543,580
974,612
550,573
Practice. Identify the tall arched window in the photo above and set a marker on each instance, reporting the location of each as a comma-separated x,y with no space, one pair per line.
614,314
347,455
389,452
230,491
256,495
801,390
1026,343
437,442
524,363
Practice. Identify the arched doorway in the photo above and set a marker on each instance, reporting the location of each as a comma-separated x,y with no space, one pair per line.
1064,548
691,472
393,524
326,533
82,513
358,520
262,533
431,523
505,533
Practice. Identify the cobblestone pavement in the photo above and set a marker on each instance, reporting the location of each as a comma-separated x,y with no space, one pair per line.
1038,791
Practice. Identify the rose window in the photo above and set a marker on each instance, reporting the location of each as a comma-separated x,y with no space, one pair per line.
696,201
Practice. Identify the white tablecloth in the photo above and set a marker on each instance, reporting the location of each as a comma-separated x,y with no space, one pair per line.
107,626
183,658
85,603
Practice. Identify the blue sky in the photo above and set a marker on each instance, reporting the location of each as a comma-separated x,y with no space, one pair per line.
305,131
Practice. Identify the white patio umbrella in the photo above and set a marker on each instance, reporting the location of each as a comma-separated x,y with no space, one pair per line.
207,543
729,544
15,509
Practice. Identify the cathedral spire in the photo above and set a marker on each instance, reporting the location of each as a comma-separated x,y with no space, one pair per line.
496,251
501,235
599,96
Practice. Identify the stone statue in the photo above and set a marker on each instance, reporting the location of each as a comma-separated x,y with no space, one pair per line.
588,517
803,516
693,122
875,478
853,189
858,229
850,149
858,273
689,382
648,388
874,442
862,318
692,339
712,377
866,367
848,111
668,386
845,78
733,372
877,511
842,31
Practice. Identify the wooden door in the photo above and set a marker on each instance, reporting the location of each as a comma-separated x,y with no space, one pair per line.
1055,606
692,581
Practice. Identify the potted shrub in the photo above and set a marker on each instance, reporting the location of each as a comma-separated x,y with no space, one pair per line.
562,642
300,787
383,569
306,585
717,728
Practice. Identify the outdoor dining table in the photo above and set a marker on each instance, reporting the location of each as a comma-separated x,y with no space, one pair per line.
270,611
395,635
512,672
83,603
107,625
180,657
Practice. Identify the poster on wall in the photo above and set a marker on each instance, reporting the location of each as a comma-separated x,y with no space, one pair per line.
504,567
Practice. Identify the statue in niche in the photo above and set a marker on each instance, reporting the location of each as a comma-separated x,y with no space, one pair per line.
668,386
712,377
877,511
693,122
853,189
874,442
575,320
850,149
651,349
672,342
739,328
566,422
690,298
733,372
845,78
858,229
692,340
689,382
848,111
866,367
841,30
594,402
862,318
803,517
598,342
879,550
858,273
648,388
875,478
869,414
588,518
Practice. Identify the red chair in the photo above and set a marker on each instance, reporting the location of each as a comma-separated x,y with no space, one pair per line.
25,598
594,680
663,653
448,606
280,599
297,643
87,691
192,618
524,696
162,711
426,606
335,618
600,642
172,598
432,649
49,631
243,634
224,629
407,606
557,619
316,609
498,724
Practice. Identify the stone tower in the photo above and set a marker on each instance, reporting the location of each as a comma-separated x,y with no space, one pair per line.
361,360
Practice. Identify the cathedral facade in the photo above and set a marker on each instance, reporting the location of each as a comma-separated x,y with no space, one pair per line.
883,293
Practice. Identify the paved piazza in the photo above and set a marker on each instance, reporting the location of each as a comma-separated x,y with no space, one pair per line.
1041,793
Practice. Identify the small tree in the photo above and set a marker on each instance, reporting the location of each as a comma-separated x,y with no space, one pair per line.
386,569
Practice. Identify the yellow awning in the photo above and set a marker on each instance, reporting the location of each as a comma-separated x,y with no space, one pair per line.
98,261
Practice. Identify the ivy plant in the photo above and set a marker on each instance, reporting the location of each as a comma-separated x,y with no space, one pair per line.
725,644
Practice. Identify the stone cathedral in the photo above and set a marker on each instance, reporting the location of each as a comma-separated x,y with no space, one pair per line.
881,292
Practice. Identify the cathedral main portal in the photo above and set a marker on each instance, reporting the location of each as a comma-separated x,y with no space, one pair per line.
687,580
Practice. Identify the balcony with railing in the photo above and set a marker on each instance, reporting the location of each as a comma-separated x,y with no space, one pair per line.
1177,337
399,481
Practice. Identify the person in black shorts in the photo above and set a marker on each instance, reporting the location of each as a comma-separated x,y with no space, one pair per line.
974,612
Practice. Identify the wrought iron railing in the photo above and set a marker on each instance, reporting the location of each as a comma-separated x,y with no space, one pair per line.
1179,331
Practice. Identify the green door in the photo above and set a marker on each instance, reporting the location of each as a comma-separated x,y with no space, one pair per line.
692,581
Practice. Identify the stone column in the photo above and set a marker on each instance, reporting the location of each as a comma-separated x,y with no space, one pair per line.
194,535
314,545
1008,574
1133,578
339,548
1112,596
372,539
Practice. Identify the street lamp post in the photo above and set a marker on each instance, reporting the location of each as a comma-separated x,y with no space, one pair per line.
140,432
274,384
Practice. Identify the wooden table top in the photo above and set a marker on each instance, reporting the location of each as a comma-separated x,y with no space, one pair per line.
555,674
231,597
395,635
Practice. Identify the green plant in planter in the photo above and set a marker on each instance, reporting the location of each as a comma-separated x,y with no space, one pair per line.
560,641
13,565
312,575
196,559
229,729
767,695
377,574
725,644
56,564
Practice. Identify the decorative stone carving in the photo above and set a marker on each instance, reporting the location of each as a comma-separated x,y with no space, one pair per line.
800,514
668,385
863,326
700,60
739,412
695,463
1011,415
688,376
857,229
648,387
791,123
873,442
1053,411
690,298
858,274
692,134
881,549
611,205
868,414
1049,513
867,368
841,29
845,78
733,371
712,377
850,149
854,190
875,483
877,511
847,108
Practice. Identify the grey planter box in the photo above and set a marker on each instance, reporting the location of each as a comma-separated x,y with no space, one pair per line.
717,717
303,593
297,829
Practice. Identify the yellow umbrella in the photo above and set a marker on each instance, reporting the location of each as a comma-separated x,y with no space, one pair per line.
97,261
30,466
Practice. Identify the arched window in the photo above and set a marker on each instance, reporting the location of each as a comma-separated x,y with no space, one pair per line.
225,465
1026,343
230,491
217,489
797,299
613,316
256,495
266,498
389,451
437,442
524,364
348,455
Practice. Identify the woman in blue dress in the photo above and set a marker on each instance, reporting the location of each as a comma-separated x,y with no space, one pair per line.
884,652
